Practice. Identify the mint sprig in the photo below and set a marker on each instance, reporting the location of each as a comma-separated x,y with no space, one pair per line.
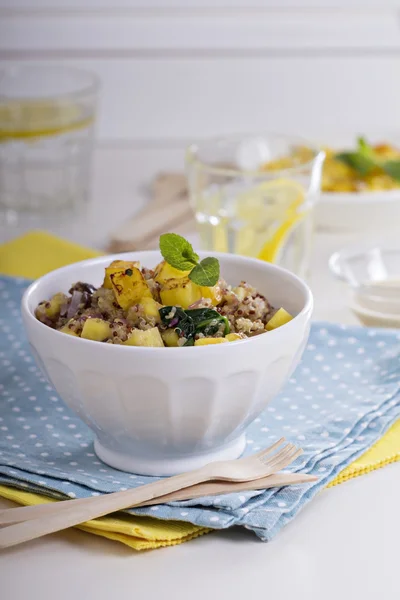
179,253
364,160
205,272
362,164
392,168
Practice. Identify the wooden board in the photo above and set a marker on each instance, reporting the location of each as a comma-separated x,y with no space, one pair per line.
168,210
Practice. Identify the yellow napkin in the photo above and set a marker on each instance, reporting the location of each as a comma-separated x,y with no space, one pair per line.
36,253
384,452
140,533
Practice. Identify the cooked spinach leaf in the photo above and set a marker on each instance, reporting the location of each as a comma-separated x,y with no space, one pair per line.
176,318
187,323
208,321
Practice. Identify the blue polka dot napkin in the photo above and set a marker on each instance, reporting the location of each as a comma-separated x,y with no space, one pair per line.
342,398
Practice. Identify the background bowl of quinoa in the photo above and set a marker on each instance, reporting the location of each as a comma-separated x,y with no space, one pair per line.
160,411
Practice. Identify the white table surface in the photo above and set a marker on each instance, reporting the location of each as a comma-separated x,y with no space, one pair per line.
344,544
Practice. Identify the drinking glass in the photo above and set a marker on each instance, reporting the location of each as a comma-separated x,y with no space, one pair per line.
47,116
254,195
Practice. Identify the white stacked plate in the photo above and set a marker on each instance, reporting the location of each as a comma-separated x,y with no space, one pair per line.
373,274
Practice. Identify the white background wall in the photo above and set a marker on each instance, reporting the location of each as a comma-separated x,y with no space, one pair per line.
176,70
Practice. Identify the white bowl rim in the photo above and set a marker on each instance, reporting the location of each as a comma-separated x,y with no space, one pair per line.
308,305
364,197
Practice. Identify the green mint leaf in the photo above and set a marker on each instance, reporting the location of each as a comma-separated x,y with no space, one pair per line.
392,168
363,145
367,152
358,161
206,273
178,252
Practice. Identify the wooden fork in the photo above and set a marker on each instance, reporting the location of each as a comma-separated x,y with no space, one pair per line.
73,513
10,516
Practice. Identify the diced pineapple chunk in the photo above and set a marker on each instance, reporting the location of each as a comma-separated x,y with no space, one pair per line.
129,287
115,266
184,292
151,308
170,338
96,329
163,272
52,308
214,293
281,317
208,341
180,292
67,330
233,337
172,279
149,337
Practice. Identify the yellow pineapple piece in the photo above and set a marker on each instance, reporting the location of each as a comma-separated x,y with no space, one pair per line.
163,272
281,317
129,287
233,337
170,338
184,292
96,329
151,308
214,293
387,151
180,292
149,337
52,307
115,266
206,341
67,330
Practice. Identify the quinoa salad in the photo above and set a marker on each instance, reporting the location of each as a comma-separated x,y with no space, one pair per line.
159,307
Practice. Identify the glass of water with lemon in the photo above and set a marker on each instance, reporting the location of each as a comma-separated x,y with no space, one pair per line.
254,195
47,116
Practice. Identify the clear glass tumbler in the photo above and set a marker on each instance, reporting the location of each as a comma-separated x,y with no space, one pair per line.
254,195
47,116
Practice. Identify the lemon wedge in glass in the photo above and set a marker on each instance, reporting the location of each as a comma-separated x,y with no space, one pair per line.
32,119
270,211
251,219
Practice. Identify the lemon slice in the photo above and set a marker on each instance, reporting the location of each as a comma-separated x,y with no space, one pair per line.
270,211
24,120
245,219
269,199
272,248
289,197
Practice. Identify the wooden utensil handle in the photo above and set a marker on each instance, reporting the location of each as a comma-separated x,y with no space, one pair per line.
97,507
11,516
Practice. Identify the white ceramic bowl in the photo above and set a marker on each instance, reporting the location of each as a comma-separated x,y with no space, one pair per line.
358,211
160,411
